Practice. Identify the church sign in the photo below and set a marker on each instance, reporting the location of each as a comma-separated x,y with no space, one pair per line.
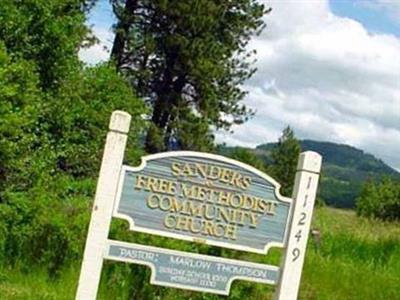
201,198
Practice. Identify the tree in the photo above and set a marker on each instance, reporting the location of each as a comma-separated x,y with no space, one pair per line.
20,98
54,114
285,156
379,200
248,157
48,33
187,59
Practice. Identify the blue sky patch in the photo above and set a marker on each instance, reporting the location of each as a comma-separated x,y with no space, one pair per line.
376,17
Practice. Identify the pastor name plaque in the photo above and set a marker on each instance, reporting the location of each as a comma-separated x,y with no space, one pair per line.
203,198
191,271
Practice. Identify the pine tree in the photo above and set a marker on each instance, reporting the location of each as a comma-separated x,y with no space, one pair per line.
187,59
285,156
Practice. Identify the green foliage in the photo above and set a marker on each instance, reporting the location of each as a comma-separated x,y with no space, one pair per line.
44,227
83,107
20,99
346,156
344,170
285,155
358,258
380,200
244,155
44,222
188,61
46,32
54,115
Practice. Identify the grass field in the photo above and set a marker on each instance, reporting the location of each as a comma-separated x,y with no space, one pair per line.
357,259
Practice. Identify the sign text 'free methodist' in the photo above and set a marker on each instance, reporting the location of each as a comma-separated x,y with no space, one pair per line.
203,198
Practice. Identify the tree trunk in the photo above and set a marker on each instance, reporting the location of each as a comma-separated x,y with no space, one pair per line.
159,119
122,31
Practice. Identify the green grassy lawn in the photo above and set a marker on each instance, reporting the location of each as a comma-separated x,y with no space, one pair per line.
357,259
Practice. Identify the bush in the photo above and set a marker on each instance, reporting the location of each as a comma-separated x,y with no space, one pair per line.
380,200
44,222
46,225
19,98
54,116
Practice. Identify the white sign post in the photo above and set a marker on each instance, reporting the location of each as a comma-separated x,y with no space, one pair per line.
304,192
103,205
172,194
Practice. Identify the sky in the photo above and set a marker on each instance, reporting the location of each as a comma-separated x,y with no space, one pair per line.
329,69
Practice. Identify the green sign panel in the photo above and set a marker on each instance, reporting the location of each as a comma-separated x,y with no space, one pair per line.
203,198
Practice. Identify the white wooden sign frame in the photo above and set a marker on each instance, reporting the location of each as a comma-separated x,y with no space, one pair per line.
304,194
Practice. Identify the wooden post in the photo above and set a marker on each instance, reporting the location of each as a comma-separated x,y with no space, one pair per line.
103,205
304,192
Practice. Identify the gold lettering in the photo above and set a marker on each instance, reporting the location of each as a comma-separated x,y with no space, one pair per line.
140,182
187,191
202,169
176,169
192,228
187,170
189,208
171,188
152,184
230,232
201,193
272,207
176,206
207,213
239,200
253,219
246,182
236,179
170,221
208,228
214,173
152,201
248,202
226,175
221,229
223,198
241,217
224,214
182,223
165,203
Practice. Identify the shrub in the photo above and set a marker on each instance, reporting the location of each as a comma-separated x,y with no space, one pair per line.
44,222
380,200
45,225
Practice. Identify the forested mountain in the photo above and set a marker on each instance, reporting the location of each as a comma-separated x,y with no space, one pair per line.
344,169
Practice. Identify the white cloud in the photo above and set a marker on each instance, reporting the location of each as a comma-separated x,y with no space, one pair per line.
100,51
327,77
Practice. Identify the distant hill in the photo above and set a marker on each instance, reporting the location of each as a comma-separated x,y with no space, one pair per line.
344,169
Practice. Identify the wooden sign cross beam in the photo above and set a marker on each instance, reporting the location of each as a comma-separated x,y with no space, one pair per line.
198,197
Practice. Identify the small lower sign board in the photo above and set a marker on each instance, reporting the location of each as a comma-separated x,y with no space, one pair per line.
190,271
